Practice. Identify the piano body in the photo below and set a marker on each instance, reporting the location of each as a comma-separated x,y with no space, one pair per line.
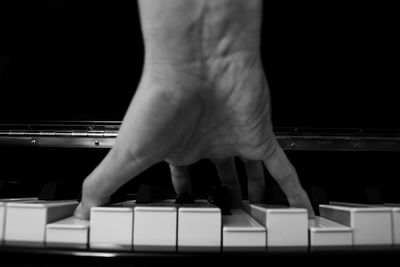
343,171
333,74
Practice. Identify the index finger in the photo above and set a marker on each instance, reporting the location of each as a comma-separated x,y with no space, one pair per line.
280,168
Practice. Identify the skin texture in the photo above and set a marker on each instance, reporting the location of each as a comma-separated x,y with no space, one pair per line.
203,94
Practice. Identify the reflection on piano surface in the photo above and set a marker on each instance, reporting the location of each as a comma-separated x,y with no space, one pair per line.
357,211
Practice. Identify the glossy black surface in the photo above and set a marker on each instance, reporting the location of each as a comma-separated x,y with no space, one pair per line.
365,255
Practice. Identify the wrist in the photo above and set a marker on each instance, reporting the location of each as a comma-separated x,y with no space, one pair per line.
205,73
187,31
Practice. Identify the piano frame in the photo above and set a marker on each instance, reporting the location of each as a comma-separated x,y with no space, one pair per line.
102,134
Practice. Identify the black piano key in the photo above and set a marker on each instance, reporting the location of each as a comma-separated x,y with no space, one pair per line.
318,196
57,190
219,196
184,199
149,193
347,193
275,196
17,189
354,194
391,194
122,194
374,195
8,189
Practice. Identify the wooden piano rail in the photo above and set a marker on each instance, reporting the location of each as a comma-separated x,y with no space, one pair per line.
84,134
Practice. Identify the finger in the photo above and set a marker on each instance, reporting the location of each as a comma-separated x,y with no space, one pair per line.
228,176
285,174
181,179
114,171
255,181
82,211
139,145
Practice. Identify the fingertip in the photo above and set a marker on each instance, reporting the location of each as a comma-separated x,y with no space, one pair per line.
227,173
255,181
180,177
311,214
81,213
282,170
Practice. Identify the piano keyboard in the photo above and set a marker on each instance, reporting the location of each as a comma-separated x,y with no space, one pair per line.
167,226
371,225
26,221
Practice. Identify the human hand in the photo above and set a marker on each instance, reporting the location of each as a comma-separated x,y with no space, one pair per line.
194,102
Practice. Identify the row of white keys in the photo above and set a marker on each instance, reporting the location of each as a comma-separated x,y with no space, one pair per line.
3,205
370,225
242,232
285,226
288,227
156,227
166,226
155,230
26,221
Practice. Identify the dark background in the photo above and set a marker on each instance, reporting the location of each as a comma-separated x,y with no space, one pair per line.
328,64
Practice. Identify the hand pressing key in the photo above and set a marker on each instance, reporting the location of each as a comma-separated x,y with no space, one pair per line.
203,94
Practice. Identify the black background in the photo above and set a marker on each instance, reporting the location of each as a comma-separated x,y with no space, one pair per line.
328,64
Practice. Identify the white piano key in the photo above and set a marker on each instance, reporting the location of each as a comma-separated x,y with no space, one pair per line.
68,232
395,222
241,232
286,226
155,227
371,225
3,212
26,221
111,227
324,232
199,227
395,208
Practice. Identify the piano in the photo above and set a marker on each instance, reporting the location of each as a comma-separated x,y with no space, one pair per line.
356,202
68,78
